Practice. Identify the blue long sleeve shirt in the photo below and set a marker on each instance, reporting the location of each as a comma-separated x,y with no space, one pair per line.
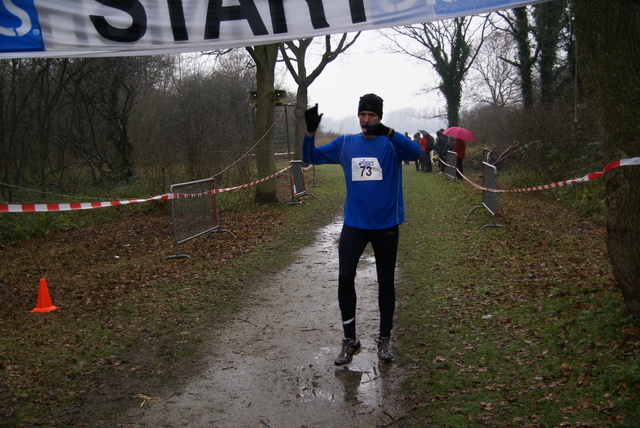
373,175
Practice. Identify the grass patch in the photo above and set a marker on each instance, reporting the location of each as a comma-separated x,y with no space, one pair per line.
518,325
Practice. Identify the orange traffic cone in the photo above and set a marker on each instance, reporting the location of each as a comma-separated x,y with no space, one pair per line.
44,300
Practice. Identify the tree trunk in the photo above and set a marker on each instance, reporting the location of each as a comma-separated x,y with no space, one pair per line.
451,88
608,38
548,26
302,97
265,58
453,70
525,63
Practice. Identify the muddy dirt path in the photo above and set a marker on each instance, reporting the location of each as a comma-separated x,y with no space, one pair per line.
272,365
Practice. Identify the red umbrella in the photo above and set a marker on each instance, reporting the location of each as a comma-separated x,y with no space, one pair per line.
461,133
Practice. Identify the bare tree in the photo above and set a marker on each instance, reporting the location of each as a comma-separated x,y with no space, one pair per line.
51,78
448,46
15,92
518,27
538,31
297,66
108,91
492,81
549,23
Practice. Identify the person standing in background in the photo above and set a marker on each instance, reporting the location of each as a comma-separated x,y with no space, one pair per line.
459,148
426,161
416,138
406,134
423,150
441,149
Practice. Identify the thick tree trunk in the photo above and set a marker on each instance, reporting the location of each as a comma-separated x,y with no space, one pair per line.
549,24
525,65
608,37
265,58
452,92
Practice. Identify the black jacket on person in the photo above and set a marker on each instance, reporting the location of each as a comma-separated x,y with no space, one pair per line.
430,143
441,146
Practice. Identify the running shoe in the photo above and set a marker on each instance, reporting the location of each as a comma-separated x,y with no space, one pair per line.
350,347
385,353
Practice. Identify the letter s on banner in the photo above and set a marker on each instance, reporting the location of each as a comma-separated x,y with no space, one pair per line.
19,27
133,33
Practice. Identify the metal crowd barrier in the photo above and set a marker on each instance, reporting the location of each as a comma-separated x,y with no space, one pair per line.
450,168
298,186
489,199
194,216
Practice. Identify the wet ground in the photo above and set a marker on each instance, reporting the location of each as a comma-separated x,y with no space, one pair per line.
272,365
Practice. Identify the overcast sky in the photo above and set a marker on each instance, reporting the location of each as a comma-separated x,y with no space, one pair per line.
366,67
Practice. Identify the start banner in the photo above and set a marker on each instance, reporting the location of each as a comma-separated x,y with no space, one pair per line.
89,28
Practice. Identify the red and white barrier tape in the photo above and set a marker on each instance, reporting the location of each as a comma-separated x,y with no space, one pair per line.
30,208
588,177
23,208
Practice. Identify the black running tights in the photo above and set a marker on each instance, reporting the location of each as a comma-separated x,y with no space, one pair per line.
385,248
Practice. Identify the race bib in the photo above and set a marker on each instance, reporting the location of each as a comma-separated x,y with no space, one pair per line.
365,169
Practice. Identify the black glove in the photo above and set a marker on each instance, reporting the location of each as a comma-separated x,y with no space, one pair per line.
312,118
377,129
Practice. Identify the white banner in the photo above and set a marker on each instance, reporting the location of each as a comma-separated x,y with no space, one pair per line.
76,28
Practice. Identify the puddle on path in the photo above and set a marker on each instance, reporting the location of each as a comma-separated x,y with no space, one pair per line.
272,366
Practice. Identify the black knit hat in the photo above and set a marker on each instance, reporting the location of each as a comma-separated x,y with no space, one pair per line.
370,102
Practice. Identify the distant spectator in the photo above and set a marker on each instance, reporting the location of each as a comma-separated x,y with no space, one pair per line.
426,155
423,148
441,149
416,138
459,147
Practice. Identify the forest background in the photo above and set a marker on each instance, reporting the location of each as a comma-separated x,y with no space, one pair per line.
90,129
